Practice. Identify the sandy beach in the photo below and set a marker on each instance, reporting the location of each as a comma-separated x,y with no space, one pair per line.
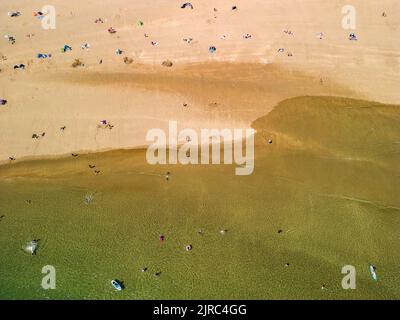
50,94
78,193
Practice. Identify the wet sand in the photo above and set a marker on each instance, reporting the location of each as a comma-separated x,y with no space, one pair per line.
333,195
245,78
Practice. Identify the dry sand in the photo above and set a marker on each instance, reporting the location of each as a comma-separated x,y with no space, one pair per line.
242,81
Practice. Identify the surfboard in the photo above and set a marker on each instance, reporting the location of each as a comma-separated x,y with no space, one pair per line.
372,271
117,286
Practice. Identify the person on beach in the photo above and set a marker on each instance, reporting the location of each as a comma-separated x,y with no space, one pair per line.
112,30
14,14
353,37
10,38
3,102
66,48
187,5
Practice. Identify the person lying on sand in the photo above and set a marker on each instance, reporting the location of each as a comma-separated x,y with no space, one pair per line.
43,55
111,30
10,38
36,136
86,46
105,125
39,15
3,102
187,5
212,49
14,14
66,48
353,37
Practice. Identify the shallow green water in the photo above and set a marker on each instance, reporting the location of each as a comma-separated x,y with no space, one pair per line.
329,181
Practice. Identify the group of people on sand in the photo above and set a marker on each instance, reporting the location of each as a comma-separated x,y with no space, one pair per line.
186,5
10,38
38,136
105,124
